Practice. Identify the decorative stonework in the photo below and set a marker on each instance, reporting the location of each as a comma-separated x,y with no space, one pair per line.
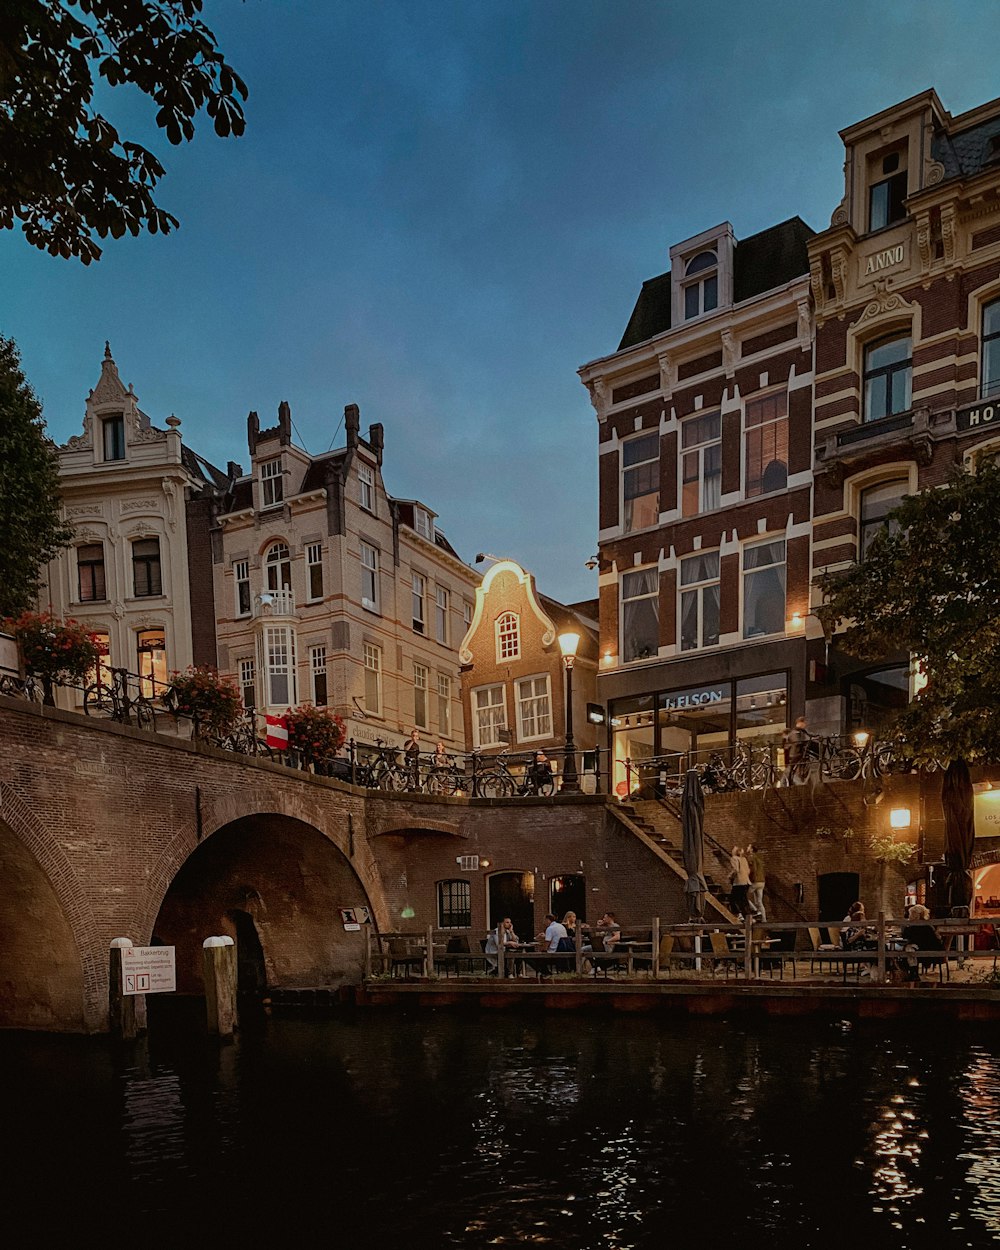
933,173
86,509
885,302
599,396
138,505
668,373
729,354
79,441
839,216
948,232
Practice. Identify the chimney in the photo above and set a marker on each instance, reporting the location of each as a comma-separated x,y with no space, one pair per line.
376,438
233,470
352,423
284,423
253,431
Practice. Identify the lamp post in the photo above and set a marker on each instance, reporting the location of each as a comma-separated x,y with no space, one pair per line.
568,644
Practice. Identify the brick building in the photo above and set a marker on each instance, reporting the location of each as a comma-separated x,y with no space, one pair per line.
331,591
906,287
137,572
704,425
513,674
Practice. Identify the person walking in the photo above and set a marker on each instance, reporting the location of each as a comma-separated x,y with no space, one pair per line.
755,854
795,743
741,881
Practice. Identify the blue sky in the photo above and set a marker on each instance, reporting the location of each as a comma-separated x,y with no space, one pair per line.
440,210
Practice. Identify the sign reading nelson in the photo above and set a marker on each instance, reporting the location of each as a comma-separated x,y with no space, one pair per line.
687,700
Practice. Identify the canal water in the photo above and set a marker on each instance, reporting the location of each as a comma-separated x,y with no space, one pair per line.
443,1129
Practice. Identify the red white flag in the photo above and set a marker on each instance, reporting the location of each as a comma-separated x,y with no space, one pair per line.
277,733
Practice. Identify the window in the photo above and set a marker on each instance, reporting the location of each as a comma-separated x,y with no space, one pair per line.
641,482
423,524
700,601
317,669
467,614
444,704
991,349
508,629
764,588
887,195
366,487
373,679
887,377
369,577
534,708
419,593
442,601
241,580
271,484
279,665
701,464
491,715
454,905
90,572
113,429
876,504
701,285
314,569
248,683
420,696
766,427
152,662
146,567
278,567
640,614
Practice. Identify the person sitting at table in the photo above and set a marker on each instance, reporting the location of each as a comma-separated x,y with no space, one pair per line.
857,934
570,924
552,936
502,935
919,935
609,931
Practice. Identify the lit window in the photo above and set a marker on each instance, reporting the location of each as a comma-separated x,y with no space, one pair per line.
991,349
701,285
152,662
641,482
886,197
373,679
876,504
272,487
419,593
534,710
146,567
113,429
701,464
508,637
366,487
90,572
444,704
317,669
241,580
764,588
420,696
442,603
100,674
248,683
700,600
490,716
766,426
640,614
278,653
369,577
888,366
278,567
314,570
454,905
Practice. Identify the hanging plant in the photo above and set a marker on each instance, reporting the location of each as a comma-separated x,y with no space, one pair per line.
317,734
886,850
54,650
211,701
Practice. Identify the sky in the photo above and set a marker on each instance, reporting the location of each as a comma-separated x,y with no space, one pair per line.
441,209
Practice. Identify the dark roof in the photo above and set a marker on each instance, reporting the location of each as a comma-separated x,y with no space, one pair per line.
566,617
970,151
202,469
760,263
315,475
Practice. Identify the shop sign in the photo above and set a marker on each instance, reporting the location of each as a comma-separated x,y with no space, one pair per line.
979,414
695,698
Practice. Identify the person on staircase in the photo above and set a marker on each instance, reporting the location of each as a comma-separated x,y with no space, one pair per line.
740,866
755,854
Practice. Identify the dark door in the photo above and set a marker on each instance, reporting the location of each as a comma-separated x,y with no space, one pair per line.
568,893
837,891
251,976
510,895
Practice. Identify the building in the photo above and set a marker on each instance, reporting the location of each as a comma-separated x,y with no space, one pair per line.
704,425
906,286
331,591
138,571
513,673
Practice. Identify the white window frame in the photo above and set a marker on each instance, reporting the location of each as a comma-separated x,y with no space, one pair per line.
442,609
631,470
491,723
373,678
467,611
444,692
369,577
746,574
698,588
423,524
698,281
653,595
278,567
418,604
314,560
421,715
539,725
272,492
248,680
366,486
696,453
507,629
277,659
317,667
241,577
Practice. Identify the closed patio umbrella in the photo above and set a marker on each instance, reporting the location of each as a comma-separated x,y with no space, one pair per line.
693,844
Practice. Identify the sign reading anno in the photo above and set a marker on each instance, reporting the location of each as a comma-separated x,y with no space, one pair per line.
149,970
888,258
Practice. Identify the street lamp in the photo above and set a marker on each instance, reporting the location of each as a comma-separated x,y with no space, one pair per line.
568,644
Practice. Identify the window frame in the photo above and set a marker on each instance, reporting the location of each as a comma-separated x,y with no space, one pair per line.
154,681
895,204
372,660
698,451
754,488
418,603
887,374
99,581
507,637
241,581
653,597
149,564
635,473
278,568
495,726
442,611
113,436
697,588
422,523
993,339
454,903
278,640
537,715
272,484
366,486
868,528
700,281
745,576
318,676
314,569
444,696
247,670
421,711
369,576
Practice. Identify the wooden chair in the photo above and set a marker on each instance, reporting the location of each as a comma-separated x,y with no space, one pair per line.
666,952
824,952
402,960
722,954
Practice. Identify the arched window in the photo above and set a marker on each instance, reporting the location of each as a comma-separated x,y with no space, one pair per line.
508,637
888,368
701,284
278,567
876,504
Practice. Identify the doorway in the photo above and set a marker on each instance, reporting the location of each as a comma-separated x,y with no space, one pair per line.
568,893
251,974
513,894
837,891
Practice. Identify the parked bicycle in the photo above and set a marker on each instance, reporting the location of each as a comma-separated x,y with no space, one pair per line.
117,700
382,769
750,768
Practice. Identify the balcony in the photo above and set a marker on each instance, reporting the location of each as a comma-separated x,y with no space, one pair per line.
274,603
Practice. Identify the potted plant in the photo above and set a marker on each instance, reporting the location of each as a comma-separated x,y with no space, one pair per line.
315,733
211,701
54,651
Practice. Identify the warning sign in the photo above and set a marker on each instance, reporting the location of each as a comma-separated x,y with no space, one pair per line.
148,970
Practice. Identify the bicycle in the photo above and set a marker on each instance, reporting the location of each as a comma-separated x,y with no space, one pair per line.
383,771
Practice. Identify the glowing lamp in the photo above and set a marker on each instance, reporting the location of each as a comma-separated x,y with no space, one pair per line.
861,739
899,818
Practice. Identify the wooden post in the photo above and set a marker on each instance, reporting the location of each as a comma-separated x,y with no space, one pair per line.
501,955
747,946
123,1022
429,961
368,952
880,930
656,947
578,942
219,963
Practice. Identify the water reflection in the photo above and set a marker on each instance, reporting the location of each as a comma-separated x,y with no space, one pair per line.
448,1130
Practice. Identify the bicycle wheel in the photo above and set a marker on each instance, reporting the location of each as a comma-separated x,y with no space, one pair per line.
494,785
145,717
546,787
394,780
845,765
761,774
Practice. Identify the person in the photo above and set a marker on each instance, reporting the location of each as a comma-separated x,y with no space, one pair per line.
741,881
570,924
795,742
503,935
609,930
919,935
412,754
539,774
554,933
755,854
857,934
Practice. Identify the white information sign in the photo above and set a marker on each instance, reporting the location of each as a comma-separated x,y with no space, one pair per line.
148,970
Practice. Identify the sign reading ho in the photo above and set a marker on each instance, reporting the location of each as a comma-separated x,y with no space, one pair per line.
693,698
149,970
980,414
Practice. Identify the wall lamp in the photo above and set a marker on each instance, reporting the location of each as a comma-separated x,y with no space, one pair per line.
899,818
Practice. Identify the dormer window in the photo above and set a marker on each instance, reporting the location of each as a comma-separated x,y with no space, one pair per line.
114,437
701,285
271,485
886,189
423,524
366,487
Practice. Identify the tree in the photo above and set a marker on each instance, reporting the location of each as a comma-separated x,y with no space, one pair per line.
30,522
929,586
66,173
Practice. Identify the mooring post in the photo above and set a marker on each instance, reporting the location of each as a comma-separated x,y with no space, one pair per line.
656,947
880,930
368,952
219,963
747,946
123,1019
578,943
